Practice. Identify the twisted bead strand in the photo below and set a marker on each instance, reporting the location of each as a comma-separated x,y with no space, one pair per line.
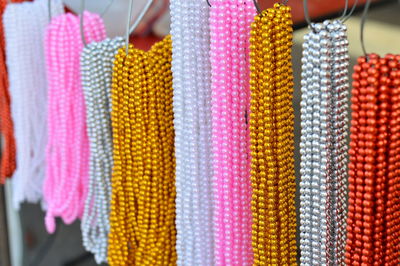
229,32
323,142
96,69
142,218
371,230
272,138
192,111
67,151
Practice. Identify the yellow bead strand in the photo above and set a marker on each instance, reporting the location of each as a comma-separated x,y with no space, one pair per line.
142,215
272,138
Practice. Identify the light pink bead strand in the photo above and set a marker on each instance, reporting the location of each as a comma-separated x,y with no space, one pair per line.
67,151
230,31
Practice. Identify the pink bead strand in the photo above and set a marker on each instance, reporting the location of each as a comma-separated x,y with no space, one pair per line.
67,150
230,30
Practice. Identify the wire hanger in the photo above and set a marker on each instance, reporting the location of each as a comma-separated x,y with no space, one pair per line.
81,23
345,17
130,29
362,26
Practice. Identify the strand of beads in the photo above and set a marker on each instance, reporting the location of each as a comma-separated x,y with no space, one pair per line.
142,215
192,114
97,61
272,138
24,27
229,32
374,202
67,154
7,164
323,144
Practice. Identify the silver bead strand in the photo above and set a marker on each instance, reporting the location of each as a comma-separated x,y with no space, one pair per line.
97,62
323,147
306,153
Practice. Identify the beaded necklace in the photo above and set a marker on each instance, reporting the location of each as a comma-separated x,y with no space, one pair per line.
373,229
229,32
24,27
192,122
142,215
67,151
324,121
272,138
97,61
7,164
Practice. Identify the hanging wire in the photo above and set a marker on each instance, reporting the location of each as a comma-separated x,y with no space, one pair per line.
81,22
362,25
344,19
107,8
140,16
208,3
49,9
130,29
259,11
307,15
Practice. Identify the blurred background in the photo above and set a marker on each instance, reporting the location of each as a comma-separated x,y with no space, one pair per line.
23,239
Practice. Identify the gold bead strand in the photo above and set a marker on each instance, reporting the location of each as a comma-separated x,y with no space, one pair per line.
116,238
272,138
143,203
290,190
261,138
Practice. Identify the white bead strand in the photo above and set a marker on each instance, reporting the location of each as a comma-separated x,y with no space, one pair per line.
24,26
192,112
97,61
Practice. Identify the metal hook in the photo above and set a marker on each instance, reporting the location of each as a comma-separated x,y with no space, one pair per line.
81,22
307,15
362,25
208,3
259,11
130,29
49,8
344,19
107,8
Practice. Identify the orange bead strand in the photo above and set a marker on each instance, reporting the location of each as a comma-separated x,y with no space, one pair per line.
374,202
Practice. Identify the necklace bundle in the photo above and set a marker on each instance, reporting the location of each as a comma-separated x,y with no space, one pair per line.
192,122
97,60
7,164
230,31
24,27
373,231
272,138
142,215
67,154
324,120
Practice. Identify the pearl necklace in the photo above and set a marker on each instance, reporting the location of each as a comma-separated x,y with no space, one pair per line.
192,122
323,144
24,26
272,138
67,154
97,61
230,31
142,217
373,217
